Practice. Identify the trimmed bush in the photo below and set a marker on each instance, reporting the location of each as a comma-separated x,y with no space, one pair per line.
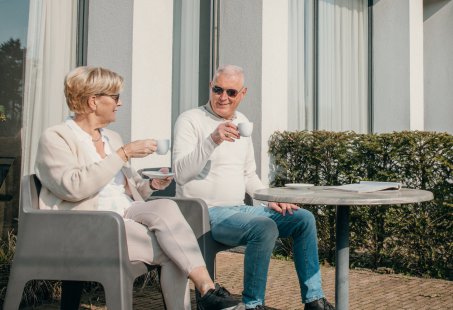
415,239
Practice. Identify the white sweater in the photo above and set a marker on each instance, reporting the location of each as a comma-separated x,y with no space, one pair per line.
218,174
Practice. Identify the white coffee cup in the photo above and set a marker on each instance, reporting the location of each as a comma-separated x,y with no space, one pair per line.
245,129
163,145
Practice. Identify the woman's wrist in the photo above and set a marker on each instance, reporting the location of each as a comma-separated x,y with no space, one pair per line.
123,153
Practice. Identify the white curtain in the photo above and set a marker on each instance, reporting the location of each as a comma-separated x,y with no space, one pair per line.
343,65
51,54
186,86
300,68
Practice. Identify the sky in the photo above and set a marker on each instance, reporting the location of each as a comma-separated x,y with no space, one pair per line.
14,20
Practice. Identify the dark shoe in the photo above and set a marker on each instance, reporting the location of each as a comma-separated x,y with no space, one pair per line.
320,304
219,299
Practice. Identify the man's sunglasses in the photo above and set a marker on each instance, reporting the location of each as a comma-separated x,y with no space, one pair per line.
230,92
114,97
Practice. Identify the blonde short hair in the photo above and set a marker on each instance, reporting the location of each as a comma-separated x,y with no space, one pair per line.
84,82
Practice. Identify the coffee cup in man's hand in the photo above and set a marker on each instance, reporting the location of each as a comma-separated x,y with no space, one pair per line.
245,129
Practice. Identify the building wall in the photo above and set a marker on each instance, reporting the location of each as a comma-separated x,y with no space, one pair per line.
254,35
412,65
110,45
240,43
152,76
391,67
134,38
438,64
274,78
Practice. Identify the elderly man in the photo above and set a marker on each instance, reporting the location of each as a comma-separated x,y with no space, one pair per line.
213,162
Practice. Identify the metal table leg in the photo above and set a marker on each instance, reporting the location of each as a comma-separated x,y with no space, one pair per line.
342,259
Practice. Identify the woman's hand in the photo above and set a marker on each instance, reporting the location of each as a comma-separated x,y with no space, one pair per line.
137,149
160,184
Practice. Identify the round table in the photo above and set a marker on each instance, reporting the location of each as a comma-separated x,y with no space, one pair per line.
325,195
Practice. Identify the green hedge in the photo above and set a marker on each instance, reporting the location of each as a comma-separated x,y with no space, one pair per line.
414,239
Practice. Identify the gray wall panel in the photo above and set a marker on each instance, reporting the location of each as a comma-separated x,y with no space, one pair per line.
391,100
241,44
110,45
438,64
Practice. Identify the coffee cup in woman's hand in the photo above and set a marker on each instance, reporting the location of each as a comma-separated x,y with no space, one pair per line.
163,145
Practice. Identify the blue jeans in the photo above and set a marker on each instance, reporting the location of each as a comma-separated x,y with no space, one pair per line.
258,228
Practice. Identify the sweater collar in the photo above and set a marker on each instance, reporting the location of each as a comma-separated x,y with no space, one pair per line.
208,108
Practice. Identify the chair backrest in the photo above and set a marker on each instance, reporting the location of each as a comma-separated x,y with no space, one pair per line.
30,189
37,183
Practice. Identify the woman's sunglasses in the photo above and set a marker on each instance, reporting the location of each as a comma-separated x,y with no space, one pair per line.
115,97
230,92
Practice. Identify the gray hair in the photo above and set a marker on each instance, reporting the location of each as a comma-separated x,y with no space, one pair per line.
229,70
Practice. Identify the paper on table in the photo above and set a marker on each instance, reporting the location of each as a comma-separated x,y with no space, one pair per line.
368,186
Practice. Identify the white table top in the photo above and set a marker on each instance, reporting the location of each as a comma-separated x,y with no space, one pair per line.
320,195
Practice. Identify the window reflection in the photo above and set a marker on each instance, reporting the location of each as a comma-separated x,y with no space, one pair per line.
13,38
11,87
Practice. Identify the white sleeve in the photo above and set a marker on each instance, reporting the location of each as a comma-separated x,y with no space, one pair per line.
191,150
252,181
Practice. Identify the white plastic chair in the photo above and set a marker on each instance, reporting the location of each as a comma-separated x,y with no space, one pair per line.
87,246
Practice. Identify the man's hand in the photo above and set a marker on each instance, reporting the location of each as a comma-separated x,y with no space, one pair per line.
225,132
160,184
282,207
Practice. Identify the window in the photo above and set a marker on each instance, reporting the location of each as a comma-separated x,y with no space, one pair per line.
328,61
194,42
13,43
37,49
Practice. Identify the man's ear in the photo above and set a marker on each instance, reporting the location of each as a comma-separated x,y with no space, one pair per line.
244,91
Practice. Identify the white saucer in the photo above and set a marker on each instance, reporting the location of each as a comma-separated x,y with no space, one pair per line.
157,174
298,185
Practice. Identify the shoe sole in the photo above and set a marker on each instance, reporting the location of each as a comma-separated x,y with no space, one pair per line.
241,306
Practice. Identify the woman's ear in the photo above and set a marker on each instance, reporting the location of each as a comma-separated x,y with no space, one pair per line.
92,103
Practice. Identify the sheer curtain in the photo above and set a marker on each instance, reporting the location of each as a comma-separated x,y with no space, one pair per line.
343,65
300,65
185,56
51,54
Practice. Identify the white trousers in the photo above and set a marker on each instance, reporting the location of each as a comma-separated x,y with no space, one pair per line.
158,234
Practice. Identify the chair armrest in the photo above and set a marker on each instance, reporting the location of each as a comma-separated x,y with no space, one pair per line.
195,212
57,235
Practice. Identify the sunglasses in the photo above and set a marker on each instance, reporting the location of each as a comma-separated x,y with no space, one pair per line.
114,97
230,92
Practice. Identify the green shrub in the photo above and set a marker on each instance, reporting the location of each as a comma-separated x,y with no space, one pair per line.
416,238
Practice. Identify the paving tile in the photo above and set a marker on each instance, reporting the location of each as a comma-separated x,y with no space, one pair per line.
367,290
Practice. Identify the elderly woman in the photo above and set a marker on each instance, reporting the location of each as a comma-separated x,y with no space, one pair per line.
84,166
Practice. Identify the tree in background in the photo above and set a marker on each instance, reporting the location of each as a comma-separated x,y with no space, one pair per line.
11,86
